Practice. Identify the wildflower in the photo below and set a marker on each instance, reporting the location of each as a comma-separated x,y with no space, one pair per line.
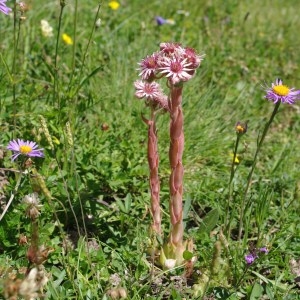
47,30
114,5
98,23
170,21
241,128
27,148
280,92
151,91
236,159
67,39
192,57
170,48
160,20
264,250
250,258
176,69
23,7
6,10
148,66
254,254
33,206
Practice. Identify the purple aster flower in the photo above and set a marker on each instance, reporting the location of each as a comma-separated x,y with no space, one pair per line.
27,148
160,20
264,250
250,258
280,92
6,10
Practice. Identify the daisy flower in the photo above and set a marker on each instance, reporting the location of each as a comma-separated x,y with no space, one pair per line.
280,92
192,57
6,10
27,148
176,70
151,91
170,48
148,66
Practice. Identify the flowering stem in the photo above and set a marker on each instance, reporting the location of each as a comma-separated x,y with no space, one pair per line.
153,161
249,178
12,196
175,156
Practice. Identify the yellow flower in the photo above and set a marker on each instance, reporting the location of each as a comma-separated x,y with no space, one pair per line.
114,5
236,160
67,39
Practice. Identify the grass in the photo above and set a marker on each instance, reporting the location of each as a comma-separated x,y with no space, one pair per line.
93,182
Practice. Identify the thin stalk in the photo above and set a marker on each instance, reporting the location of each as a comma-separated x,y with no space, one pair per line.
249,178
84,55
14,192
14,72
74,35
68,195
55,82
230,187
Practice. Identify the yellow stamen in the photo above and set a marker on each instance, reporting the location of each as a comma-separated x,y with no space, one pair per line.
281,90
25,149
239,129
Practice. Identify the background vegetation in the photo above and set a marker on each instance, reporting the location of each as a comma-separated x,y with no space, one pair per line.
98,179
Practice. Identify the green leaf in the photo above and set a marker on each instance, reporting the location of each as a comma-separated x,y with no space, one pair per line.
257,292
209,222
187,255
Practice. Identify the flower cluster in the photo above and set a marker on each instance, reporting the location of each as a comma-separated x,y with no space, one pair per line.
279,92
174,62
3,8
254,254
47,30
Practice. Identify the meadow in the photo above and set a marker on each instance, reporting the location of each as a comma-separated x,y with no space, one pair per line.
76,222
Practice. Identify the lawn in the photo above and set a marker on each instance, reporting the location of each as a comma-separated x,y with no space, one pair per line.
76,218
